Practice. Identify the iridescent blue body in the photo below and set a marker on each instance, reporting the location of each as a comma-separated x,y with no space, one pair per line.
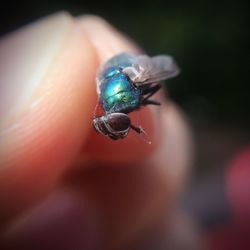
117,92
125,83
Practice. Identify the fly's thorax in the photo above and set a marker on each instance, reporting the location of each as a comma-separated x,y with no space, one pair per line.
118,93
110,72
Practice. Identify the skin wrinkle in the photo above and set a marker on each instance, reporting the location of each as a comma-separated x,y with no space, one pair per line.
47,93
28,30
14,121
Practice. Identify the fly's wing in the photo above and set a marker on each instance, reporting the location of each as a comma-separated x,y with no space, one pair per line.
147,70
121,60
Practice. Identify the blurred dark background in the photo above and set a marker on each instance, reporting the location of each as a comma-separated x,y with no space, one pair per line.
210,41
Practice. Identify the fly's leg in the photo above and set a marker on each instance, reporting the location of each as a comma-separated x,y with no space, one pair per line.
138,130
150,102
148,92
149,89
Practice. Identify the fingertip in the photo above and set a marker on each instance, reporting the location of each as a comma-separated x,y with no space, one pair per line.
109,42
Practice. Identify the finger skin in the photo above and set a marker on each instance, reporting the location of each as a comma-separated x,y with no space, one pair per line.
41,137
130,198
62,221
126,201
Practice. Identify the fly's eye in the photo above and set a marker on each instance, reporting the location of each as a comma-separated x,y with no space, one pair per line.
118,121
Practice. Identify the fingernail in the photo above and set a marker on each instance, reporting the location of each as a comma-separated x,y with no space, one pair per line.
63,221
26,56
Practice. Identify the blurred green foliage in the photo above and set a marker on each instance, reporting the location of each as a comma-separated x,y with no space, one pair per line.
209,39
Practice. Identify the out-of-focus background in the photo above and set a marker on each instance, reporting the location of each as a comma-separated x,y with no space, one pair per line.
210,41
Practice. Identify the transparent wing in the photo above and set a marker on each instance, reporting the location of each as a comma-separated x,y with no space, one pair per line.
146,70
121,60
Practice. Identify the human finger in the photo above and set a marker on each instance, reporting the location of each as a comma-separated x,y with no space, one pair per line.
47,96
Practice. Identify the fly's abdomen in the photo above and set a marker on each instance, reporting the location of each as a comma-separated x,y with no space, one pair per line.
119,95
